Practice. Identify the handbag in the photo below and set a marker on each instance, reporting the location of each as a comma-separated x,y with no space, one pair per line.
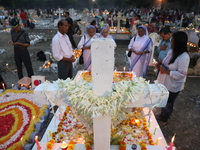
81,59
129,53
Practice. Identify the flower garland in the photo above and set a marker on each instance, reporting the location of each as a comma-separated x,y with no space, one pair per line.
134,127
89,105
16,118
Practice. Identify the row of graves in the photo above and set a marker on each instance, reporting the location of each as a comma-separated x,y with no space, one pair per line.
102,109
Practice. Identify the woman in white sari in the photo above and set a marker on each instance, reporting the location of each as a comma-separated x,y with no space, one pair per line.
104,33
140,46
85,45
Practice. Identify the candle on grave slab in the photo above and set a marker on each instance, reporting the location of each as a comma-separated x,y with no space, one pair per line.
22,141
157,140
149,123
64,146
155,130
80,141
37,143
3,86
171,143
34,119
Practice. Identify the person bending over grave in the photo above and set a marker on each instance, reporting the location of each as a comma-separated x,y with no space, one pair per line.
104,33
62,51
85,45
140,46
173,72
20,40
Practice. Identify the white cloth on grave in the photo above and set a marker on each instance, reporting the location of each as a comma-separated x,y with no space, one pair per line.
86,52
136,45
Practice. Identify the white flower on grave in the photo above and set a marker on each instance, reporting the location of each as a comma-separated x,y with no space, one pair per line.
80,95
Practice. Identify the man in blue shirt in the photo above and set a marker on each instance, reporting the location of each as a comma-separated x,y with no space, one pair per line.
165,44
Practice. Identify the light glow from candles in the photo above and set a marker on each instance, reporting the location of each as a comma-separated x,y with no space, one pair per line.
63,145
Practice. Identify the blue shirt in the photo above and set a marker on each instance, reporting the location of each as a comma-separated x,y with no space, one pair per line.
163,53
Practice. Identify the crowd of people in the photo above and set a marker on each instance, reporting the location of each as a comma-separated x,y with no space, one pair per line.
172,54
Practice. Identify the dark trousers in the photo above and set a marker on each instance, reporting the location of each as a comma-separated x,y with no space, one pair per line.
23,56
65,69
72,40
168,109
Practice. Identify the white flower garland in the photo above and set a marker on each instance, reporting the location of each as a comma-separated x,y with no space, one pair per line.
80,95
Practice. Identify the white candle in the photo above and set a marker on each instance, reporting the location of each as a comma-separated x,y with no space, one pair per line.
155,130
12,86
124,69
22,141
159,138
34,119
3,86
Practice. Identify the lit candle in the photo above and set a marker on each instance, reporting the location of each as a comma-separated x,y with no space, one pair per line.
37,143
80,140
155,130
33,119
137,122
149,124
64,146
12,86
124,69
171,144
3,86
158,140
22,141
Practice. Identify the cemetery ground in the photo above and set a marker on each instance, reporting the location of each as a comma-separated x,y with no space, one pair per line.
184,122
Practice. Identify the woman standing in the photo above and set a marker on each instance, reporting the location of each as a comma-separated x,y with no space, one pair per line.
85,45
135,22
173,72
104,33
140,46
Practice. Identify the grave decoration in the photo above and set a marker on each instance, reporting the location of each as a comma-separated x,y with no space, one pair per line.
102,109
19,116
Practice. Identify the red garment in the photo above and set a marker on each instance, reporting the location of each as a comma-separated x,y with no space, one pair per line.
22,15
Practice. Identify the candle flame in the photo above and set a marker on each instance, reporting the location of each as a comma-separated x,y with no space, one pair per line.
173,139
136,120
21,138
36,137
160,138
63,142
33,117
157,126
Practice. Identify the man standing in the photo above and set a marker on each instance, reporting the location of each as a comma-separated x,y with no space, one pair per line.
70,30
165,44
62,51
21,41
23,17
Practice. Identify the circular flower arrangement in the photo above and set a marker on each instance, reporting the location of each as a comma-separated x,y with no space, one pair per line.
16,113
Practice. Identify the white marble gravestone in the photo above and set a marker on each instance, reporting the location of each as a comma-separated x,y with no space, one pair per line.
102,51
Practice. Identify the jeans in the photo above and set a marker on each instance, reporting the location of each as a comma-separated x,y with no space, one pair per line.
168,109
